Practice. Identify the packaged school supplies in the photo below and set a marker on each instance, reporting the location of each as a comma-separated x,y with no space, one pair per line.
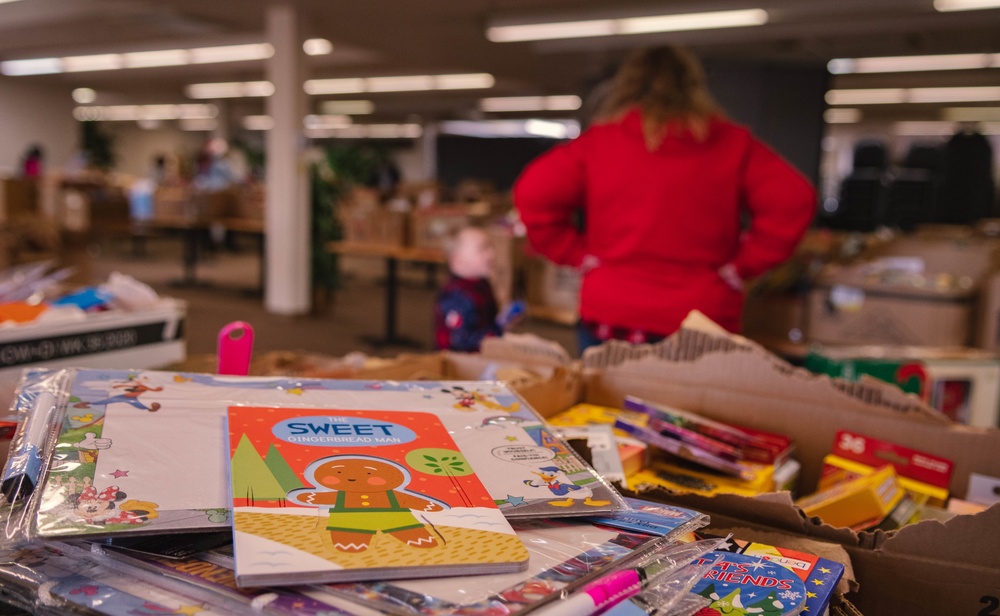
145,452
861,503
923,475
585,422
654,518
322,496
58,580
743,443
688,478
565,555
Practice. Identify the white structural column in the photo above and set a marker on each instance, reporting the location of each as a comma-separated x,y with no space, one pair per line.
288,283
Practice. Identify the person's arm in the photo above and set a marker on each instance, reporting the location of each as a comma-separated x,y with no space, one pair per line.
547,194
781,202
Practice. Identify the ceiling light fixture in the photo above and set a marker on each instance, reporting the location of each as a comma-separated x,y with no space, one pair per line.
842,115
346,107
503,104
971,114
404,83
965,5
317,47
941,129
84,96
229,89
99,62
901,64
123,113
368,131
553,129
258,122
889,96
626,25
137,59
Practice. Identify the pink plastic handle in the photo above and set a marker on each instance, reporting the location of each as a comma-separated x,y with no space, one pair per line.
235,348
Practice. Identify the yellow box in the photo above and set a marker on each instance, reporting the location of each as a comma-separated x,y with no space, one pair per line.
858,501
839,470
705,483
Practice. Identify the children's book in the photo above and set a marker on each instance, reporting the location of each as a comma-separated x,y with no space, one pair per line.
819,575
146,451
740,585
331,496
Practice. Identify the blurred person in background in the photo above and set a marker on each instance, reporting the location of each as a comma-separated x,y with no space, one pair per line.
664,182
31,164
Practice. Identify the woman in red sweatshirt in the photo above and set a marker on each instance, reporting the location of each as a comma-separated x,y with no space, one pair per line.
664,180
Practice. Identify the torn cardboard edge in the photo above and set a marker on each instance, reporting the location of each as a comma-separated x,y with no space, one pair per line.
699,337
527,348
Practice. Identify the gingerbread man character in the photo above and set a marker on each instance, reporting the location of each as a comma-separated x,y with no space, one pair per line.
365,496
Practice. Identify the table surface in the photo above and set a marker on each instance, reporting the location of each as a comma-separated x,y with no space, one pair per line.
403,253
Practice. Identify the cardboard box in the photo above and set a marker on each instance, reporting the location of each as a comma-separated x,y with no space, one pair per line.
150,338
775,317
430,226
911,291
926,568
553,291
962,383
508,271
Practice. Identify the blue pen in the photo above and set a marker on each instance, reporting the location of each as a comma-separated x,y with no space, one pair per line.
25,465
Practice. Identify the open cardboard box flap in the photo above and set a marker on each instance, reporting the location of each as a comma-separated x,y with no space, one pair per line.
730,379
527,348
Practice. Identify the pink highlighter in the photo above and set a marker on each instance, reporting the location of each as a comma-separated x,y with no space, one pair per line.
235,348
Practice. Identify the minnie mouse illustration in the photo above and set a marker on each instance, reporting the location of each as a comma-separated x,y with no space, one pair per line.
96,508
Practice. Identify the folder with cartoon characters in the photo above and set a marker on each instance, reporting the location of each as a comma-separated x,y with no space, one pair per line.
145,452
322,495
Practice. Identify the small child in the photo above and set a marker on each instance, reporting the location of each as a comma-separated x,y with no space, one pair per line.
466,310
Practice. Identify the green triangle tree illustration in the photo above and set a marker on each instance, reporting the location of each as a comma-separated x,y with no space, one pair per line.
279,467
769,605
252,479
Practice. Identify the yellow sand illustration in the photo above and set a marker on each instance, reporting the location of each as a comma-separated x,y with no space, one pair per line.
309,534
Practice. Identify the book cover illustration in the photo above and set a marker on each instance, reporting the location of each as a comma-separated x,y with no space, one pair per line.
321,496
819,575
741,585
130,442
564,554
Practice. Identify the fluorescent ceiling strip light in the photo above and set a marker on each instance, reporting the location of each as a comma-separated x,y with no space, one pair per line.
326,121
368,131
954,95
34,66
940,129
99,62
502,104
348,107
231,53
965,5
692,21
913,95
627,25
258,122
971,114
6,1
842,115
137,59
404,83
567,129
163,57
901,64
229,89
876,96
123,113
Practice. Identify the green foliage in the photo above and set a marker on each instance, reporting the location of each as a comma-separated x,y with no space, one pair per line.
97,145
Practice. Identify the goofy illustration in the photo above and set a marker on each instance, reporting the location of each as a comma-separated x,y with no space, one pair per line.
131,390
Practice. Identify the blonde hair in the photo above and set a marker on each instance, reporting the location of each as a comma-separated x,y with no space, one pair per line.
666,83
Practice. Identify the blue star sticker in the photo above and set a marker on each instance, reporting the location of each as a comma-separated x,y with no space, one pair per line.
515,500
